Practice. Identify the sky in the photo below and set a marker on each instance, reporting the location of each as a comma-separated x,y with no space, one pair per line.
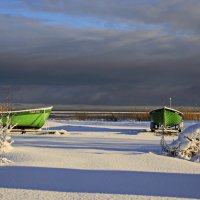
100,52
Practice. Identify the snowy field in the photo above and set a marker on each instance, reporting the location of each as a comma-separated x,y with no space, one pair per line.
97,160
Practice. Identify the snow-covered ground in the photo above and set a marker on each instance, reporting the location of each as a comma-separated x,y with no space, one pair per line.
97,160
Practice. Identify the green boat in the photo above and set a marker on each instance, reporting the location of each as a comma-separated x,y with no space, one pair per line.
167,119
27,119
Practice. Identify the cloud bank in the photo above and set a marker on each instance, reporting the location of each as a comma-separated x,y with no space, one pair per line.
101,52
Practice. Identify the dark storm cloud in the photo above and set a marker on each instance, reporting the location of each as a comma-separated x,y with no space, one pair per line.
147,56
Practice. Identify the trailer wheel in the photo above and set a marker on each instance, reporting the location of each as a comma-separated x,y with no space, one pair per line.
180,127
152,126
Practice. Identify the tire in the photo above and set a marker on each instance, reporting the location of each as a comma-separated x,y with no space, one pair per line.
152,127
180,127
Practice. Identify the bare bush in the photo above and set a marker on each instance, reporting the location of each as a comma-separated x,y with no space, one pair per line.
187,145
5,139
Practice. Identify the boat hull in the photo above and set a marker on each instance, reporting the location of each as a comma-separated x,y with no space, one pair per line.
166,117
34,118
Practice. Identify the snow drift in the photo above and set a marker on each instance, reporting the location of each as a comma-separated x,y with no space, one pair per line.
187,145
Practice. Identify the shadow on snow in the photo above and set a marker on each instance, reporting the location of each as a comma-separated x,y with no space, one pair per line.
98,181
71,128
107,144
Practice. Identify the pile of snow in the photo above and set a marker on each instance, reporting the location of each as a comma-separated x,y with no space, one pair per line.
187,145
60,132
5,161
5,144
5,147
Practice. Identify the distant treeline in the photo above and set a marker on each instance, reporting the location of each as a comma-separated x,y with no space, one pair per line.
101,112
108,116
102,108
5,108
113,116
191,115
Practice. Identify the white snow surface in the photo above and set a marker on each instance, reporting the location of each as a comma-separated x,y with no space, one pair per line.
96,160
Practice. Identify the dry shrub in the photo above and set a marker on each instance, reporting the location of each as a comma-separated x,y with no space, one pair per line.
191,116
